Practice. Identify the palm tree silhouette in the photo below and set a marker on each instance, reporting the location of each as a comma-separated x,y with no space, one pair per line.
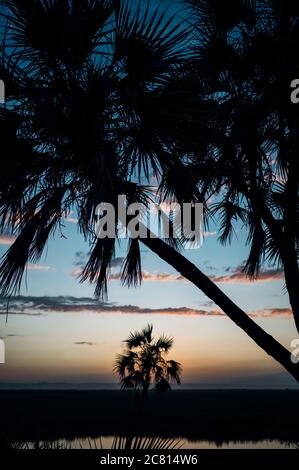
98,96
254,164
144,362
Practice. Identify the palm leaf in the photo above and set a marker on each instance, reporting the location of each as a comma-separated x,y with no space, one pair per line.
131,271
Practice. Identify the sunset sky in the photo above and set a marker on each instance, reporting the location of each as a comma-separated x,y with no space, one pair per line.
58,333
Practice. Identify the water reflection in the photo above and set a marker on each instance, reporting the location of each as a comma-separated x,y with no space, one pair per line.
150,442
107,442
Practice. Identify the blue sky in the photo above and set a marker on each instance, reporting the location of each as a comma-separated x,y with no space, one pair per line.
78,345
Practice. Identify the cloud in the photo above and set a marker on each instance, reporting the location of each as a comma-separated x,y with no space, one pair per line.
209,303
71,220
272,312
40,305
81,259
209,267
83,343
31,305
162,277
7,239
236,277
183,311
146,276
76,272
39,267
152,277
116,262
11,336
209,234
239,276
69,217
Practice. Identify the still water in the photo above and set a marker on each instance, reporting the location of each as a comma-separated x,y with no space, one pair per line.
112,442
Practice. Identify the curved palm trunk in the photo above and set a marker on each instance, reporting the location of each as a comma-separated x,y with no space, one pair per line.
287,249
291,273
289,246
236,314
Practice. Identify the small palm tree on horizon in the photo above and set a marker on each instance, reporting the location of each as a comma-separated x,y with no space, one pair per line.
144,362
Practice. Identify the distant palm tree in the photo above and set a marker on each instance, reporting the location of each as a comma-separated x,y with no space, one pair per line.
144,362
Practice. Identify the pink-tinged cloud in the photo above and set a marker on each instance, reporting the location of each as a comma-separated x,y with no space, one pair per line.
152,277
39,267
146,276
69,217
76,272
241,277
29,305
234,278
162,277
272,312
209,234
7,239
71,220
183,311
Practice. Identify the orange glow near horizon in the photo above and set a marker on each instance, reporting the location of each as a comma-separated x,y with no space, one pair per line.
82,348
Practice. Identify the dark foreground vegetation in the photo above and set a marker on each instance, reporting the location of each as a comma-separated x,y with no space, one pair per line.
217,415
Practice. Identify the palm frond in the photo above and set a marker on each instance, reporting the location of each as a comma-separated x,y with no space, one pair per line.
148,43
164,342
148,332
52,30
131,271
125,363
97,268
174,371
257,239
135,340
